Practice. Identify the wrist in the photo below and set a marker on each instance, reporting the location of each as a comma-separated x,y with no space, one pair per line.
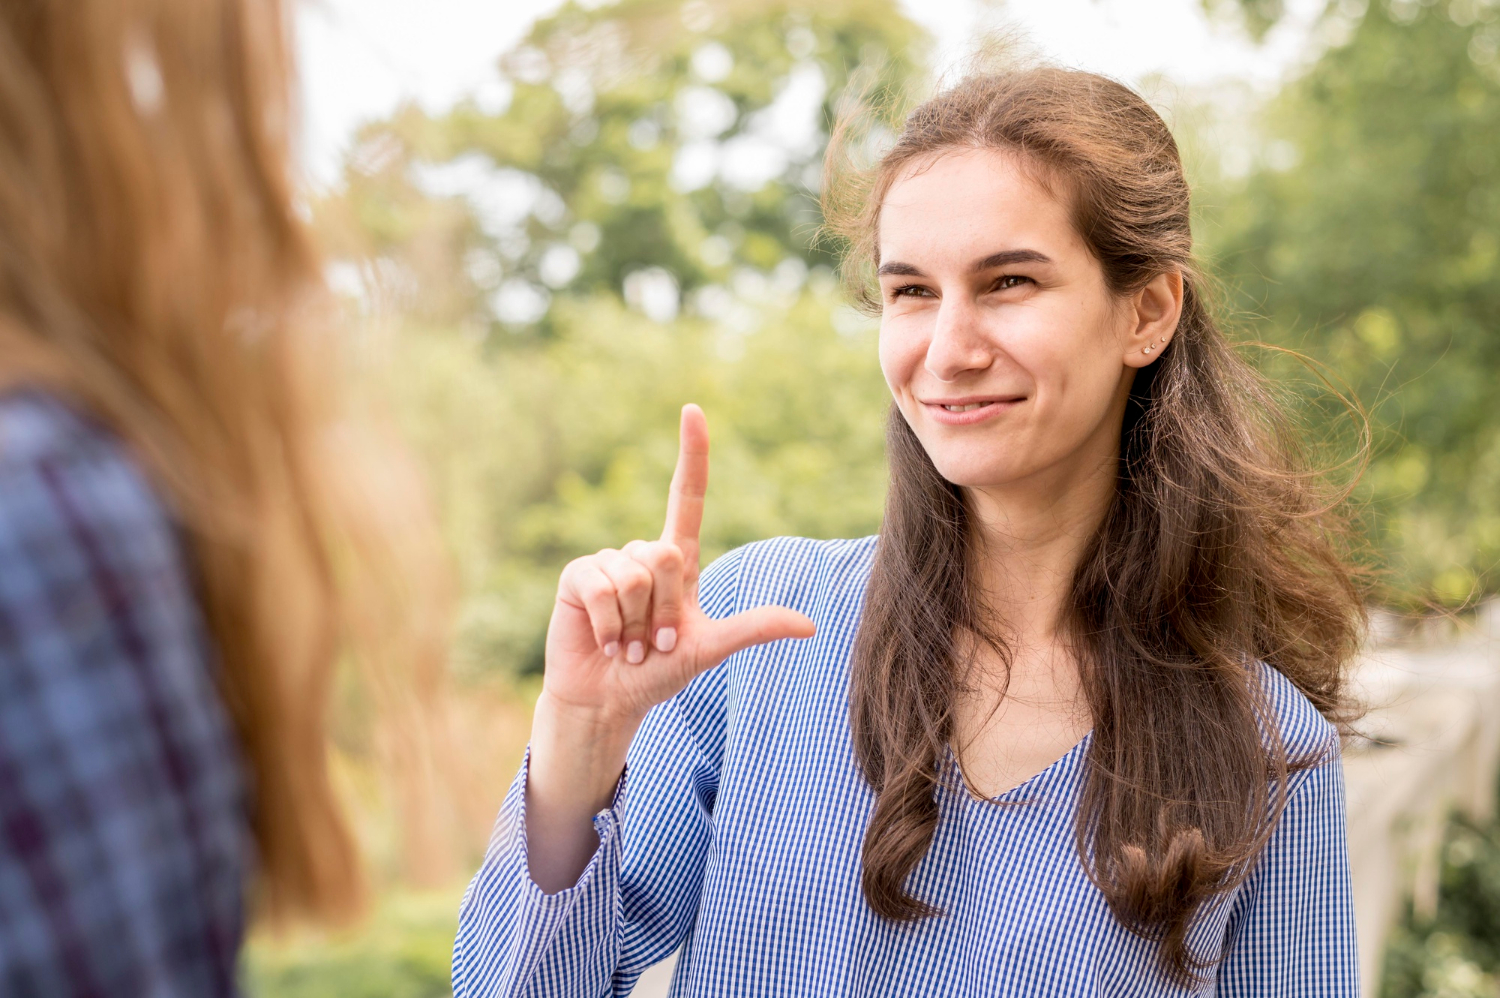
584,721
577,755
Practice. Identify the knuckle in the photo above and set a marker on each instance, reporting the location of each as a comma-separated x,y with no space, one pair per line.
616,566
671,557
576,578
644,553
635,579
661,556
597,590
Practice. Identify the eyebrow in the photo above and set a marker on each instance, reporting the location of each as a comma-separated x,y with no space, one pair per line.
1000,259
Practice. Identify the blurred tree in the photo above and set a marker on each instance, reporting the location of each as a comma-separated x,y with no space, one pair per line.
1257,16
1368,233
1454,951
625,224
541,454
654,149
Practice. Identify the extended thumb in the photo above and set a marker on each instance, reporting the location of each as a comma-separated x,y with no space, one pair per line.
753,627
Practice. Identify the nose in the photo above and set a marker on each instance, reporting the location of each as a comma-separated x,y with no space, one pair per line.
958,345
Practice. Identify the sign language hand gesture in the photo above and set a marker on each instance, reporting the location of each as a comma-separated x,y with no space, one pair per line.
627,632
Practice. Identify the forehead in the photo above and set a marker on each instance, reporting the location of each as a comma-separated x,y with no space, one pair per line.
972,202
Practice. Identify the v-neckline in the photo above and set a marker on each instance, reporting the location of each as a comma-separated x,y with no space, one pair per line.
1042,776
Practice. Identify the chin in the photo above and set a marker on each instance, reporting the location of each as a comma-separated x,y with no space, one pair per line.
978,474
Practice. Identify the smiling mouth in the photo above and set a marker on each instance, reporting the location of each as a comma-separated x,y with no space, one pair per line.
971,410
971,403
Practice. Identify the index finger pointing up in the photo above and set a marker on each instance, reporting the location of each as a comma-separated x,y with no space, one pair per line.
689,483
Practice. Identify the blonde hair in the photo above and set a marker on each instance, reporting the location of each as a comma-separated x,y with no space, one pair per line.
153,266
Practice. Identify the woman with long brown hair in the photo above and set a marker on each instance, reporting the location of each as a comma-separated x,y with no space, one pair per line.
1068,726
189,536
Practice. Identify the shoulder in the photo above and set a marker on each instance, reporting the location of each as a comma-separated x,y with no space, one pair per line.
108,709
812,576
40,426
63,473
1308,736
87,548
823,579
99,609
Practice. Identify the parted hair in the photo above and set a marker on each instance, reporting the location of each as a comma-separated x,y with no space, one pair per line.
1221,549
155,268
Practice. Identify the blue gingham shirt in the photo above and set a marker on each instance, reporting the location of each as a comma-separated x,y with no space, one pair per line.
124,834
736,833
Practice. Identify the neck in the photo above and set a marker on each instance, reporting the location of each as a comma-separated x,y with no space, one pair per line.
1030,538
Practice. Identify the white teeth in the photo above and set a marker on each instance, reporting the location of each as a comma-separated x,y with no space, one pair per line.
965,408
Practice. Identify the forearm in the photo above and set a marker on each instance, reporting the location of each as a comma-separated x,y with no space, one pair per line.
577,758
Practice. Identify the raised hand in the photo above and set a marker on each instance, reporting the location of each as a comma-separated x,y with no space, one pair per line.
627,632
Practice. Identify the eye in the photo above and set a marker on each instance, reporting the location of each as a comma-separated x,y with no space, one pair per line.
911,291
1011,281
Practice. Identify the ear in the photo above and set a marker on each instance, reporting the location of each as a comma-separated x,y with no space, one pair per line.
1153,312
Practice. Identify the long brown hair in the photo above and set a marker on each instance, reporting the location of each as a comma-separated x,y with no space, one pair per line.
154,267
1220,549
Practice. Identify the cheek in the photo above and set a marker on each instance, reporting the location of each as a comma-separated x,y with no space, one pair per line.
1080,356
901,352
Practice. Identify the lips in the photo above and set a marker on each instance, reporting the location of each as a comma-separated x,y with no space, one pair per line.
969,409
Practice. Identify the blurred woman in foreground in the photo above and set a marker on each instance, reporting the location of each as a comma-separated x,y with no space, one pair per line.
187,544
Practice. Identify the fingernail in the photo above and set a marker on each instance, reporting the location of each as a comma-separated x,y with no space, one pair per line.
666,639
612,649
635,652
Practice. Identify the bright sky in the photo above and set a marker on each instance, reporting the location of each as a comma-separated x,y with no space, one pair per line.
362,58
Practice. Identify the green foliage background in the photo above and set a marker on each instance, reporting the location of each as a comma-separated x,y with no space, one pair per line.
541,281
1453,952
549,425
1369,237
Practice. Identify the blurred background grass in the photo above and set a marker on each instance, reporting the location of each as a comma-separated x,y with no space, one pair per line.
539,276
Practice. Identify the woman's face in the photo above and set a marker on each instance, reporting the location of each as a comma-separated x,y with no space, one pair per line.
1003,347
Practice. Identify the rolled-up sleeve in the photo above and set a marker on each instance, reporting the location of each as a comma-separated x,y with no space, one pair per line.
636,900
123,821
